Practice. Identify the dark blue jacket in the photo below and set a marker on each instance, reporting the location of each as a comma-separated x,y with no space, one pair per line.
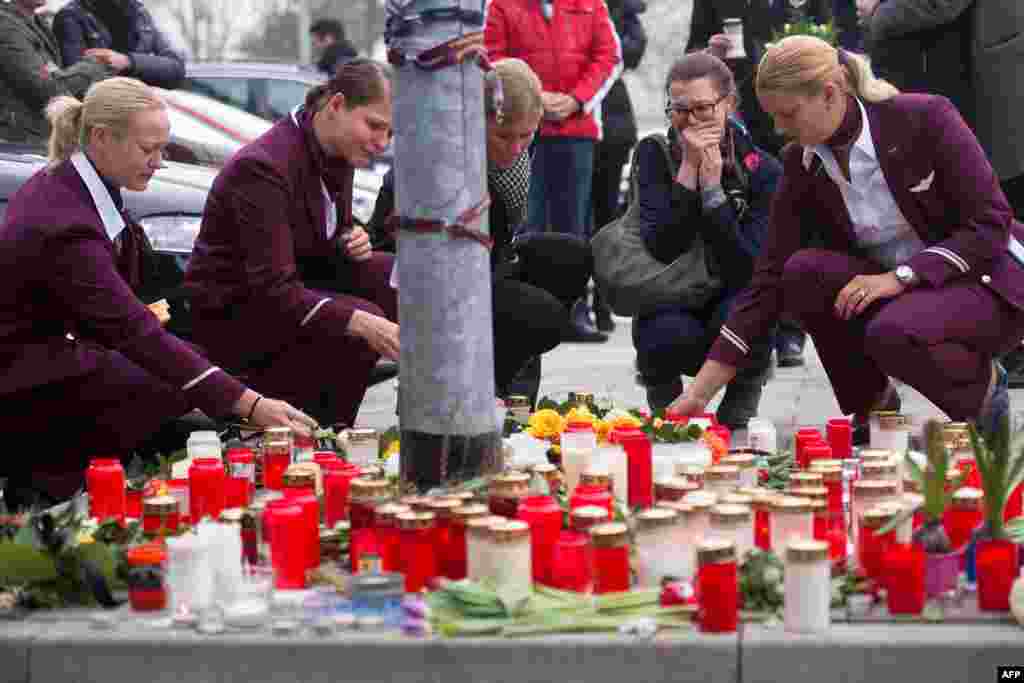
129,29
672,216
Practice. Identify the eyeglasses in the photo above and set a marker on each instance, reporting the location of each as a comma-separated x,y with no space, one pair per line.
700,110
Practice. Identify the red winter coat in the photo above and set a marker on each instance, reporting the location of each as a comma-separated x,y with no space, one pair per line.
577,52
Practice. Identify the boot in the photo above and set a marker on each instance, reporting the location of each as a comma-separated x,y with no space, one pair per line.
581,329
602,314
661,394
742,397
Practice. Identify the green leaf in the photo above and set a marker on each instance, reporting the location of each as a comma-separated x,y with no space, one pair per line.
897,520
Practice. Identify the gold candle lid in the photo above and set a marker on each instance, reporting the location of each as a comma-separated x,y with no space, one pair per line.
481,526
701,501
462,515
587,516
791,505
517,401
737,498
609,535
361,435
889,420
715,550
277,434
876,517
160,505
297,479
722,473
824,464
744,461
679,507
655,518
806,479
511,530
674,485
804,550
730,514
276,447
545,469
386,514
830,475
510,485
810,492
765,501
443,507
693,472
596,477
578,397
968,498
415,520
868,454
878,470
874,488
362,488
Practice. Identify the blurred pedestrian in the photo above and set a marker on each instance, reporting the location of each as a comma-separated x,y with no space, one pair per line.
331,45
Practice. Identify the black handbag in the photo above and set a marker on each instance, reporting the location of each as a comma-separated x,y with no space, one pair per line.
631,280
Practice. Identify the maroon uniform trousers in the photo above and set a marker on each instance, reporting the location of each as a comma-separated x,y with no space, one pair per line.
940,341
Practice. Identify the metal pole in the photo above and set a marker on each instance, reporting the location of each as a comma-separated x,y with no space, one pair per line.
446,398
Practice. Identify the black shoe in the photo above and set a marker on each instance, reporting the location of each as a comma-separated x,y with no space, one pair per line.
789,355
604,320
580,327
862,425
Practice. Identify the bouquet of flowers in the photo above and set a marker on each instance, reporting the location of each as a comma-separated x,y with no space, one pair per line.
806,27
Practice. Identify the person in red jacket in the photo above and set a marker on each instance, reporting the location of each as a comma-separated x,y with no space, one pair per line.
573,47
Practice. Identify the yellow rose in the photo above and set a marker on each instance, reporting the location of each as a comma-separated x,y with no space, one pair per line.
579,414
394,448
602,429
626,421
545,424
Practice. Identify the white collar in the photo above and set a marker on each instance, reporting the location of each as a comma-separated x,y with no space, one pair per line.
113,221
864,141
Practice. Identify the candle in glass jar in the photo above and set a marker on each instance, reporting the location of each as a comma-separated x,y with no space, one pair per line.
512,573
579,444
364,496
868,493
889,430
418,557
551,476
963,516
105,482
286,522
458,544
160,516
804,436
277,456
792,519
613,457
583,496
721,479
505,492
872,545
807,587
337,482
207,485
133,502
717,586
147,564
839,433
640,464
362,446
816,451
762,436
241,481
762,507
518,407
904,570
880,469
673,489
544,517
300,487
479,546
691,473
733,523
654,533
701,502
996,567
388,541
611,557
443,509
832,479
747,464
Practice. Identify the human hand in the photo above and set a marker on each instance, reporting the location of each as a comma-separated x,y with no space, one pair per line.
380,333
559,106
162,310
357,245
687,404
696,138
711,167
866,8
719,45
864,290
117,61
264,412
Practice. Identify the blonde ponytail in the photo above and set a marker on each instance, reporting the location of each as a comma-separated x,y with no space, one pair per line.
65,116
804,64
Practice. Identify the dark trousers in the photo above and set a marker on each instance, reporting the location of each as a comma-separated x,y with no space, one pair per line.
560,185
1013,188
532,296
939,341
674,341
105,413
324,373
609,159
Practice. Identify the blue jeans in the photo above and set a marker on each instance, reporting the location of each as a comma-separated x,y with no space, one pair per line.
560,182
674,341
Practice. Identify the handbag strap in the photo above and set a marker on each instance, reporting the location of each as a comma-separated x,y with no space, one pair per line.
666,150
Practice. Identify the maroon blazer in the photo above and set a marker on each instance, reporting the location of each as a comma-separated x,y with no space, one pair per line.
942,182
263,231
58,275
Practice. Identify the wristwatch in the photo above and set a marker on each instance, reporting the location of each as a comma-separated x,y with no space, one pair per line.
906,276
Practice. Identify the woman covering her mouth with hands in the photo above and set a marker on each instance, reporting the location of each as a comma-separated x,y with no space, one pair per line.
919,272
717,190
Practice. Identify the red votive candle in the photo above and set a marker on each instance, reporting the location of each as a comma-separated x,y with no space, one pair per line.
639,465
963,516
419,561
832,479
837,539
364,497
457,537
611,557
722,432
133,503
241,481
717,586
816,450
904,565
207,489
505,492
286,521
996,562
544,516
762,522
572,561
146,566
105,481
388,541
277,456
337,481
871,545
327,460
839,434
160,516
803,437
443,509
300,487
585,495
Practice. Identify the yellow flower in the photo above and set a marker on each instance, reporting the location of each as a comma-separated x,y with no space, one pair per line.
658,423
626,421
603,429
85,537
394,448
579,414
545,424
556,449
